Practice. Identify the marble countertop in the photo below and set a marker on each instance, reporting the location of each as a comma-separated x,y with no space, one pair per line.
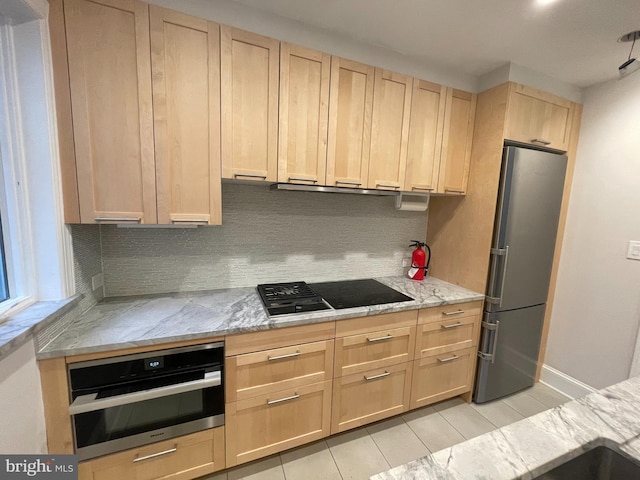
123,322
537,444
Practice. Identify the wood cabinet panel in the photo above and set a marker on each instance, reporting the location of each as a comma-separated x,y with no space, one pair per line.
304,106
373,323
110,82
444,376
538,118
425,136
269,371
447,335
359,353
185,62
268,424
389,130
459,120
249,77
367,397
180,458
350,110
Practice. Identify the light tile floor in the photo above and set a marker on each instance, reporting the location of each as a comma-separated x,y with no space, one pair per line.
360,453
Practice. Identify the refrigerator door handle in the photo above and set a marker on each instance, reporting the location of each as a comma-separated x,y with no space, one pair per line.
492,327
505,253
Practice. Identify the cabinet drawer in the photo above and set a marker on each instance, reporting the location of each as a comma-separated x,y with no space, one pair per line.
268,424
442,376
260,373
370,396
180,458
449,312
373,323
447,335
359,353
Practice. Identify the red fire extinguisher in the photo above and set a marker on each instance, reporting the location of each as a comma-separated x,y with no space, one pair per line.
419,260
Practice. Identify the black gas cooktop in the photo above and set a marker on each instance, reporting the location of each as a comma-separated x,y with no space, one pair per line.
293,297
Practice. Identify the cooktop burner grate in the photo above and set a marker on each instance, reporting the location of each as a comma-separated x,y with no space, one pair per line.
290,297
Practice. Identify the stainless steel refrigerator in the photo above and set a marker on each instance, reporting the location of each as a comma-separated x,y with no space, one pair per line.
529,200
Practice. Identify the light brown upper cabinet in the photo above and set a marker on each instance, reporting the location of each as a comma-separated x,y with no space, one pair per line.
304,106
538,118
425,136
350,108
389,130
185,62
460,112
249,73
109,70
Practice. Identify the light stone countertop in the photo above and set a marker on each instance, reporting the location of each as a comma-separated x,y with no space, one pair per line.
123,322
535,445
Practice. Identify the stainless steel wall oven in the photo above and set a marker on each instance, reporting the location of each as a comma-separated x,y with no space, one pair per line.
131,400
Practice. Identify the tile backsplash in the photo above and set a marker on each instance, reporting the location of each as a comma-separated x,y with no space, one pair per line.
266,236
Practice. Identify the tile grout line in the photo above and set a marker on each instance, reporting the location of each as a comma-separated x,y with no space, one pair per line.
334,459
416,434
451,425
378,446
489,420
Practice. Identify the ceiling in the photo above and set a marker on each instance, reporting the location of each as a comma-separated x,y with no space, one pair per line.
570,40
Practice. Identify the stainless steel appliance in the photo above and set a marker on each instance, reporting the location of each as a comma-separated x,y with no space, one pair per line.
294,297
132,400
524,239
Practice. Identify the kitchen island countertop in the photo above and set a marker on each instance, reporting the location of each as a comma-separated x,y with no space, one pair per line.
535,445
125,322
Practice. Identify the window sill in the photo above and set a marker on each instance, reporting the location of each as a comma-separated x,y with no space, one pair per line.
22,325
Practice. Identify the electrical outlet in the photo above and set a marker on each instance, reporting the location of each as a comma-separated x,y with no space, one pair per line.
406,262
634,250
97,281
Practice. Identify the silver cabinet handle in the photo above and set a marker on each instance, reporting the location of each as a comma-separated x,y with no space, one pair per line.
90,402
449,314
540,141
378,339
280,357
453,190
154,455
300,179
386,185
285,399
346,182
448,359
453,325
118,219
189,220
426,189
374,377
249,175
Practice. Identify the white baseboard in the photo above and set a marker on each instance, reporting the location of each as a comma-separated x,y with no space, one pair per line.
563,383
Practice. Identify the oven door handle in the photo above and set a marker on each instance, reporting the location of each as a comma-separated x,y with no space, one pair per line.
89,403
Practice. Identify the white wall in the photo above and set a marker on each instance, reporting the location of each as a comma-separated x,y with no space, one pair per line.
22,424
596,310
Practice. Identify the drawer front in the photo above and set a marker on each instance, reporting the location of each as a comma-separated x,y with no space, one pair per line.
449,312
442,376
367,397
180,458
268,424
359,353
373,323
259,373
447,335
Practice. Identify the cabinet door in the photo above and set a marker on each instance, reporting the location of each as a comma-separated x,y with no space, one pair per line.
249,73
350,108
179,458
185,62
442,376
268,424
538,118
304,106
389,130
425,136
110,81
460,111
370,396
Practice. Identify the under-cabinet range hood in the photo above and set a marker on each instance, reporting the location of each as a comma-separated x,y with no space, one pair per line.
327,189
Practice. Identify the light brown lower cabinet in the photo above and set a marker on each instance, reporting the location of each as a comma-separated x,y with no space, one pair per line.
442,376
179,458
267,424
370,396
